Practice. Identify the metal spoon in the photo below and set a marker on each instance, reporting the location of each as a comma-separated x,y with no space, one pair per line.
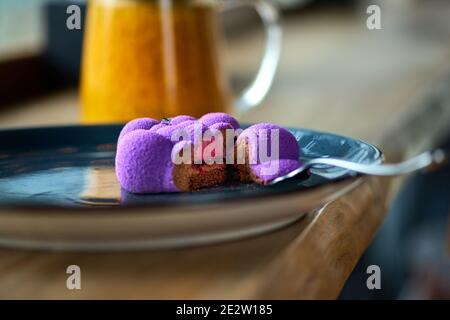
426,160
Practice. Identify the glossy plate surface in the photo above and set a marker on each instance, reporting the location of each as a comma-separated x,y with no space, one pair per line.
58,190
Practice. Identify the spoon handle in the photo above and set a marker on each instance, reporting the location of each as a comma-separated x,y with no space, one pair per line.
426,160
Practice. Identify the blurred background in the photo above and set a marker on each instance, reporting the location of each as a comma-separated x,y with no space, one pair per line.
331,67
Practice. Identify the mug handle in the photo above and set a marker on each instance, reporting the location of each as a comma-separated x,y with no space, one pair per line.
255,93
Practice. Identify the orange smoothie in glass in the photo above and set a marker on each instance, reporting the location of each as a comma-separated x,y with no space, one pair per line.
150,58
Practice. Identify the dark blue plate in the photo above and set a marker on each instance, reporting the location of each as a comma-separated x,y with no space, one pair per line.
73,166
58,190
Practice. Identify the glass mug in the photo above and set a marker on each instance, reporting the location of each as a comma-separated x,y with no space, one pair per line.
160,58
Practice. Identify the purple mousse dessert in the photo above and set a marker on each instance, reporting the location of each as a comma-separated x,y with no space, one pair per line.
147,153
146,149
143,163
266,151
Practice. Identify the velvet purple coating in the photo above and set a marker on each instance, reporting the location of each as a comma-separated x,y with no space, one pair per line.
221,126
179,119
186,123
143,163
260,136
269,170
136,124
216,117
189,131
159,126
195,131
168,131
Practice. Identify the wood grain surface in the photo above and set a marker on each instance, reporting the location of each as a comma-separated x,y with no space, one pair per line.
335,76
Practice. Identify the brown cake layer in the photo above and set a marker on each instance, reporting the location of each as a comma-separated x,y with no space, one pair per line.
188,177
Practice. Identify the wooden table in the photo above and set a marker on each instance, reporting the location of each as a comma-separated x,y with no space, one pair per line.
335,76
